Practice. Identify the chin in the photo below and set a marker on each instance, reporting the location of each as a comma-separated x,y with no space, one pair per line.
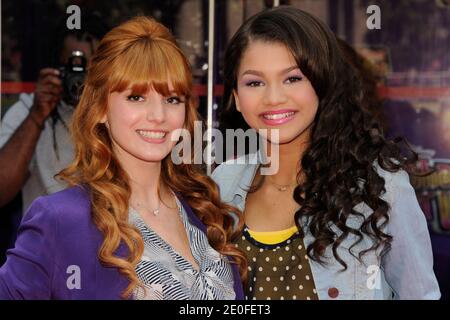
281,141
286,138
151,157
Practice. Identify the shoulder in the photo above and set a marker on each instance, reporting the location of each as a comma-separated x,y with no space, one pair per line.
404,211
231,168
73,197
20,108
395,183
233,174
65,210
15,116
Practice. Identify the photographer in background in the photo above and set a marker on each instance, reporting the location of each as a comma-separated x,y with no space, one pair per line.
34,137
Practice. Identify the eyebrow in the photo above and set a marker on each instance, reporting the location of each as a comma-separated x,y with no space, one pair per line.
259,73
170,91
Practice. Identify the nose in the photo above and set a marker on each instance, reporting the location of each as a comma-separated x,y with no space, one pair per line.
274,95
155,110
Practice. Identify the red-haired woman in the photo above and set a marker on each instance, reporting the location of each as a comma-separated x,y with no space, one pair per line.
132,224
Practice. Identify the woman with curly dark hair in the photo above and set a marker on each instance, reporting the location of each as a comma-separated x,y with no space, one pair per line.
339,219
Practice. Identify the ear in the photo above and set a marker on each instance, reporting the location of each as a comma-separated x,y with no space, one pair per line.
236,101
103,120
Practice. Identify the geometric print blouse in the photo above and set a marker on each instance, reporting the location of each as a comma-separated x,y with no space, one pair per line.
166,275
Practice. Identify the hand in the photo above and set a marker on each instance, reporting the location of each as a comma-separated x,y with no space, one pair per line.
48,93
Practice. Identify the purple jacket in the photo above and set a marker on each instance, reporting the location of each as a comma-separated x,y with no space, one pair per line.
56,253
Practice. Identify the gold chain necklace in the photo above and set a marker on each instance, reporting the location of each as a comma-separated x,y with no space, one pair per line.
281,187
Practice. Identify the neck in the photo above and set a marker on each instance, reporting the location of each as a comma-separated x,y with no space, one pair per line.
290,156
144,178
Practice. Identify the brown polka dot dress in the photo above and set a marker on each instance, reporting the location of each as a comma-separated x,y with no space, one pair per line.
278,271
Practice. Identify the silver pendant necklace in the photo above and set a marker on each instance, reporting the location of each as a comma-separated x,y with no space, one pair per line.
156,211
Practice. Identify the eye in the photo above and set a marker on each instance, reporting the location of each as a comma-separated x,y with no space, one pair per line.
135,98
254,84
174,100
293,79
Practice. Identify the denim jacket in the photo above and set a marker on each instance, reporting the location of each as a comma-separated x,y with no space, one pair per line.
404,272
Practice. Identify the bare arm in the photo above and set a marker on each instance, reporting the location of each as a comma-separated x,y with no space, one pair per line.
17,153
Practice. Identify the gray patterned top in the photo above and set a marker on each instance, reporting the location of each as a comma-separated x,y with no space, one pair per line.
166,275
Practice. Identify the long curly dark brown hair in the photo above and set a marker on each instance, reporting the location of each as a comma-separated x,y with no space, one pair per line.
339,165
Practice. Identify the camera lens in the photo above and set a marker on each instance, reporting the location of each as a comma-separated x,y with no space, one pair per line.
73,77
74,83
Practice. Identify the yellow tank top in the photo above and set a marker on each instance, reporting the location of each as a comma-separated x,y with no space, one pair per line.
273,237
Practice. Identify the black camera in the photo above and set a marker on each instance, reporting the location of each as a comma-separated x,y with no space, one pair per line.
72,76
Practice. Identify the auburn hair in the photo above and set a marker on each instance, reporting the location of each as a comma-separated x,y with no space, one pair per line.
140,54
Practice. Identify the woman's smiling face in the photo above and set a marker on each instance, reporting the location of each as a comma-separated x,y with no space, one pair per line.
272,92
141,125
